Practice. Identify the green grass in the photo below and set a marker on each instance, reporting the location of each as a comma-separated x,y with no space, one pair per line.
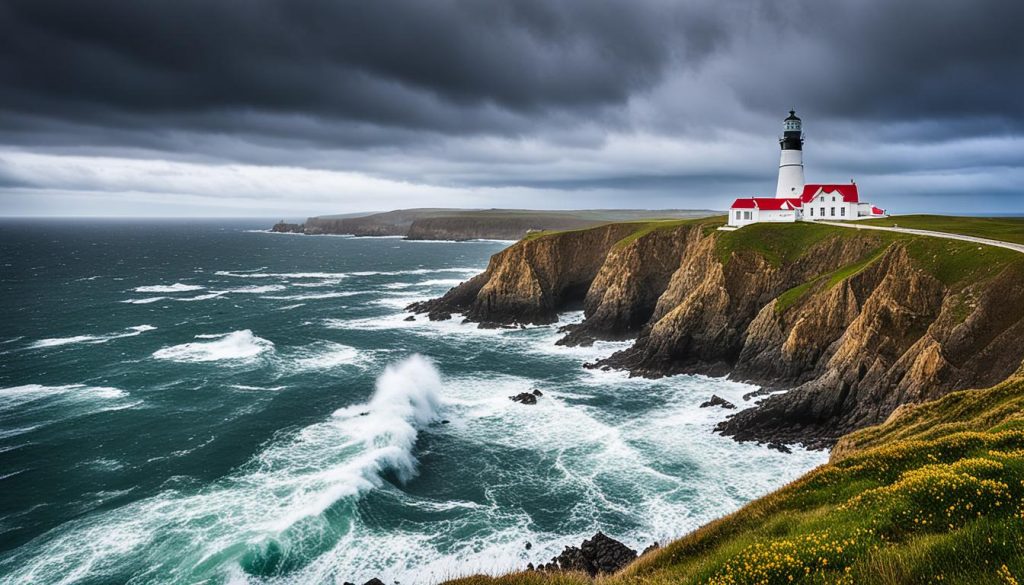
644,228
936,494
778,243
955,262
1007,229
641,227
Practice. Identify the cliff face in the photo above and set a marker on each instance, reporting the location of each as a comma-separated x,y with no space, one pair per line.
530,281
857,324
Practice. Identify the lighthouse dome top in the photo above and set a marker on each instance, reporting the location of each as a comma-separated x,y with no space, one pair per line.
792,123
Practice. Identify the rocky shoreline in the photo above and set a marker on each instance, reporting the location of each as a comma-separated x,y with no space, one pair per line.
853,324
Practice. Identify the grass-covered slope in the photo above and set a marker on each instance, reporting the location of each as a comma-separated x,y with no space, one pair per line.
1007,229
934,495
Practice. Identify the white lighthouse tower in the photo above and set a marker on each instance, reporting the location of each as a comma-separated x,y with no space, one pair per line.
791,165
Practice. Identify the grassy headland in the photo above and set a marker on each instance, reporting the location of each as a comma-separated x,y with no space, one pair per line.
933,495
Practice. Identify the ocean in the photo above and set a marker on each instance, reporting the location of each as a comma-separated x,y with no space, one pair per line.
205,402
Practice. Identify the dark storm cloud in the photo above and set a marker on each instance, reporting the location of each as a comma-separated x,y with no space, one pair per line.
372,73
906,61
448,66
573,97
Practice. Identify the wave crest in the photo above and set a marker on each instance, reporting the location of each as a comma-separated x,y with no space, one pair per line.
237,345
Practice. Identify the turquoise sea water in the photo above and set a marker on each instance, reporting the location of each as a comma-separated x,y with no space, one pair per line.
186,402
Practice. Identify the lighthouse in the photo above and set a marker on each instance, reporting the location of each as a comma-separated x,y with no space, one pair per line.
791,165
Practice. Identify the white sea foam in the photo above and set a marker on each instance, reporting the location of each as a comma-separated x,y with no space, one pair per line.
258,388
21,396
257,289
325,356
235,346
143,301
14,432
169,288
415,271
280,495
58,341
210,295
314,296
299,275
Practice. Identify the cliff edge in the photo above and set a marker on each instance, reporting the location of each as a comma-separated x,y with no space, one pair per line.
854,323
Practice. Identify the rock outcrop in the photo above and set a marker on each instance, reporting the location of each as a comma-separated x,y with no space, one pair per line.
717,400
529,282
598,555
288,228
856,323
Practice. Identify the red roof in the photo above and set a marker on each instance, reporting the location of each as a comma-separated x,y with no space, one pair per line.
766,203
849,192
877,211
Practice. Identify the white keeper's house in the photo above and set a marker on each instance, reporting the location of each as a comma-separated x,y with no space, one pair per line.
798,201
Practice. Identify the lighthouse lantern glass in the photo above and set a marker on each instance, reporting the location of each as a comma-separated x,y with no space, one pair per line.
792,125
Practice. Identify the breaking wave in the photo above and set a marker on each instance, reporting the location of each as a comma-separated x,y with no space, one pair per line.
327,355
58,341
237,345
270,511
169,288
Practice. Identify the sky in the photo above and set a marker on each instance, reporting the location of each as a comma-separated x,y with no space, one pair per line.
292,108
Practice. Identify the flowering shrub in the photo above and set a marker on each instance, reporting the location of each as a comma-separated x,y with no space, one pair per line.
817,557
938,497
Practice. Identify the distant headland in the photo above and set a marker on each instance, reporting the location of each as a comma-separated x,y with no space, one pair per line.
475,224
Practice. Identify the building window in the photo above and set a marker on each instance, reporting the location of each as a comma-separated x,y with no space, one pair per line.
746,215
737,215
812,212
842,211
833,198
823,198
833,210
822,212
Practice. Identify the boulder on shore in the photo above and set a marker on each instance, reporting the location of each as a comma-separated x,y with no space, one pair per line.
600,554
524,398
717,400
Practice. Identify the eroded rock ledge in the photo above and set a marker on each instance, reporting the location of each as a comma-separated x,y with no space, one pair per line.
855,323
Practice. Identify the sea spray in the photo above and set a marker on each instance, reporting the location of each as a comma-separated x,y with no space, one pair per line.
269,518
236,345
406,399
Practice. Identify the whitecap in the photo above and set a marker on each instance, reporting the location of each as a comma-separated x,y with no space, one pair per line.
325,356
416,271
169,288
315,296
257,388
205,297
18,395
300,275
59,341
236,345
257,289
143,301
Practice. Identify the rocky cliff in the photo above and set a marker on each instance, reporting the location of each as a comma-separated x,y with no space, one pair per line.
855,323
